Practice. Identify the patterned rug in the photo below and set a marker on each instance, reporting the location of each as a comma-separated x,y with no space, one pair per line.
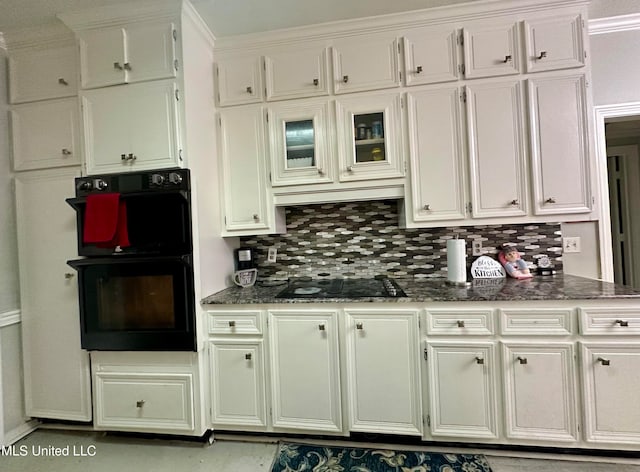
301,457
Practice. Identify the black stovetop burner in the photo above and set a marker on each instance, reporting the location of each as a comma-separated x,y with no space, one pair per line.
342,288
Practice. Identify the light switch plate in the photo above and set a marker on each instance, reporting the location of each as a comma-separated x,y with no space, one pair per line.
571,244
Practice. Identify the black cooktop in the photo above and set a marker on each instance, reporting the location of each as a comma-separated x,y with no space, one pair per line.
342,288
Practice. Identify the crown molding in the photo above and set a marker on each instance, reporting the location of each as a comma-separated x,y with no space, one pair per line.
50,35
614,24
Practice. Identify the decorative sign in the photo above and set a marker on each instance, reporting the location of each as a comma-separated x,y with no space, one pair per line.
485,267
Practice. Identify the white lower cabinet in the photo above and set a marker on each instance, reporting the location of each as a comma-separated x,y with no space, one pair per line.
305,370
462,389
237,383
540,391
383,383
611,385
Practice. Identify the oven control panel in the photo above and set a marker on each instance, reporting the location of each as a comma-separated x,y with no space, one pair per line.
133,182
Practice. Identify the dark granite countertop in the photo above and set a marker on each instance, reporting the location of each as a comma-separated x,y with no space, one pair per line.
556,287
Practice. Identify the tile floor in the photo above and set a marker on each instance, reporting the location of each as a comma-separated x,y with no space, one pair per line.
124,453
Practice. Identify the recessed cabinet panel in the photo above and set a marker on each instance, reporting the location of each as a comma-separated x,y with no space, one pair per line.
612,383
242,147
102,57
369,130
366,62
430,56
491,49
42,74
437,154
554,43
540,393
45,134
298,72
559,144
300,141
150,52
239,80
496,149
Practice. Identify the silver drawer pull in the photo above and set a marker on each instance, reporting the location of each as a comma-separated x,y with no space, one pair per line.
66,152
542,55
247,356
127,66
460,323
522,360
117,66
623,323
507,59
479,360
426,207
419,70
550,200
514,202
349,168
359,326
316,82
321,327
232,324
604,361
345,78
256,217
250,90
139,403
68,275
62,81
123,157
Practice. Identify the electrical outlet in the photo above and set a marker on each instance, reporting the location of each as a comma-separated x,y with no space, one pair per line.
571,244
476,247
272,254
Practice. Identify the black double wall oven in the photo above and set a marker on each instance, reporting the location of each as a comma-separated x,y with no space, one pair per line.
135,281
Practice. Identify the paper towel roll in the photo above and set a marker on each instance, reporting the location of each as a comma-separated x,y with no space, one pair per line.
457,260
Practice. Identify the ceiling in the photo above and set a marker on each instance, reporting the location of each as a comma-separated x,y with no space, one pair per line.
226,17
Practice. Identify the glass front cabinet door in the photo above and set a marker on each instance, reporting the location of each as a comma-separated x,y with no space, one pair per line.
368,136
300,142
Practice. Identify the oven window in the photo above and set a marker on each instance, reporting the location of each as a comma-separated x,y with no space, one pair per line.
135,302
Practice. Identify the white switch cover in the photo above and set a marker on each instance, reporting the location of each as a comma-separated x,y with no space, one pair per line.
571,244
272,254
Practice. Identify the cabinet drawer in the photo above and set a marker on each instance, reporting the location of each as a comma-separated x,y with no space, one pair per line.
532,322
141,401
618,321
235,322
456,322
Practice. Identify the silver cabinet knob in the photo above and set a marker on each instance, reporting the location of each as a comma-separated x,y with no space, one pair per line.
460,323
345,78
250,90
247,356
123,157
316,82
140,403
479,360
69,275
256,217
359,326
232,323
62,81
604,361
127,66
550,200
419,70
117,66
522,360
131,157
66,152
514,202
543,54
321,171
349,168
321,327
426,207
507,59
623,323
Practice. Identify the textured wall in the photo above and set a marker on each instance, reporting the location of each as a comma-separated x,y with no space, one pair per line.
362,239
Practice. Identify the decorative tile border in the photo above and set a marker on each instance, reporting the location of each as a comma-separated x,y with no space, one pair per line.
362,239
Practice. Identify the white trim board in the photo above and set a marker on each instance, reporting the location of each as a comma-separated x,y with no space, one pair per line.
615,24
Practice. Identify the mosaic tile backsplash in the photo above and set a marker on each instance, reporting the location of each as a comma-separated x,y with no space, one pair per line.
363,239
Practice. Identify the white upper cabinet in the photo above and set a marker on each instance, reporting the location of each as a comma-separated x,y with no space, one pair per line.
430,55
559,144
129,53
369,133
39,74
296,72
45,134
366,62
437,154
301,142
239,79
554,43
491,49
497,149
133,127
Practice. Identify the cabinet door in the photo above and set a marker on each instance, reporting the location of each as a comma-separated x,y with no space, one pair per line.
305,372
297,72
239,80
42,74
436,143
45,134
132,127
237,384
611,383
56,369
491,49
554,43
430,55
365,63
496,149
369,129
462,380
300,142
102,57
559,145
150,51
384,384
540,393
244,172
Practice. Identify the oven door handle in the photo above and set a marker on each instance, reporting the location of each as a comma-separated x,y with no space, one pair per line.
185,259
